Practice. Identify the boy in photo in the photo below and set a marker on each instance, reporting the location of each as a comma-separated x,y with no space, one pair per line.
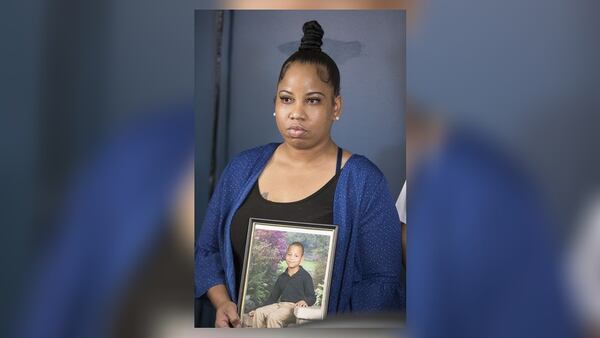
294,288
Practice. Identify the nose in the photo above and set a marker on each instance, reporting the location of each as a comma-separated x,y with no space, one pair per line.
297,113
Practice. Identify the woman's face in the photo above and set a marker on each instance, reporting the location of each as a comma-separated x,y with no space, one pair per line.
305,107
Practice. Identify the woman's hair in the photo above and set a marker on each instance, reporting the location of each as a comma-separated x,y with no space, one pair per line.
310,53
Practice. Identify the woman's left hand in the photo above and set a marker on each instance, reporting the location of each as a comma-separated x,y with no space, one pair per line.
301,304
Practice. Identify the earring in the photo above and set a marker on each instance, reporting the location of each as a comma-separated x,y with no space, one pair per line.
337,118
274,114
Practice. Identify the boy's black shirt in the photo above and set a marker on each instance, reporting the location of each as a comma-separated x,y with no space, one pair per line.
293,288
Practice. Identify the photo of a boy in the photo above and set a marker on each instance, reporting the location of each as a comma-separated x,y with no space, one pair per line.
294,288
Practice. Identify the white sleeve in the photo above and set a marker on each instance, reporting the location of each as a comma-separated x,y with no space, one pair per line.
584,260
401,204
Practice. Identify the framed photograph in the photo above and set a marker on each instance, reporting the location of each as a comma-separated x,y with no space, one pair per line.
286,274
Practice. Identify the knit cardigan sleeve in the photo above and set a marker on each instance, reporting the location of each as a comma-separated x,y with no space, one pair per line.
379,285
209,251
209,269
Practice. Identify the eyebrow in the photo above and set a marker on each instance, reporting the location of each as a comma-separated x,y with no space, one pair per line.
307,94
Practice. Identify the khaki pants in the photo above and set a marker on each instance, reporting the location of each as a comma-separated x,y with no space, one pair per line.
274,315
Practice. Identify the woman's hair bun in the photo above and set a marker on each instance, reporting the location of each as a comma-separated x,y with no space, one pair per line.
313,36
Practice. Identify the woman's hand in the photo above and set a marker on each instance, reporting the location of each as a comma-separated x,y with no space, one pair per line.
227,315
301,304
226,309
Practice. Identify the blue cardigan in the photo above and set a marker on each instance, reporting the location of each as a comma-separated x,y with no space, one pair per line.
367,271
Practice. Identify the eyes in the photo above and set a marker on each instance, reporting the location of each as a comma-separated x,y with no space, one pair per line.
313,100
292,255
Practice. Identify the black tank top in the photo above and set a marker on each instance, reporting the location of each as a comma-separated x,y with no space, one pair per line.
316,208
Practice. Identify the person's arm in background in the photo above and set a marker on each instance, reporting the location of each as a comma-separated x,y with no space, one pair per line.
401,206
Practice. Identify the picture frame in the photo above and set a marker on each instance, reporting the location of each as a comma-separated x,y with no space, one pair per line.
270,246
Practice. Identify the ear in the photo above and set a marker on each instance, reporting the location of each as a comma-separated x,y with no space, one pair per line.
337,107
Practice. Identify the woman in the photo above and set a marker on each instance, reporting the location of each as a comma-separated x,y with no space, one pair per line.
307,178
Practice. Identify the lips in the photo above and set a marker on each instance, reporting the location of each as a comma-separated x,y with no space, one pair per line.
296,131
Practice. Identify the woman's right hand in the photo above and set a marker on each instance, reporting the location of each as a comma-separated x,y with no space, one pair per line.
226,309
227,315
